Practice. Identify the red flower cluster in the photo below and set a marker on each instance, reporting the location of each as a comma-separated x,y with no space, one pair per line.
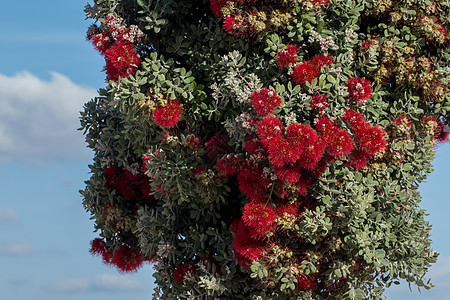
116,43
260,218
168,115
369,140
216,7
130,186
252,181
229,164
435,127
359,90
183,271
126,258
265,101
287,57
338,141
217,145
247,249
308,70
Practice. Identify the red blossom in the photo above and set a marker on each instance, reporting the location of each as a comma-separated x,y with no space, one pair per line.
288,56
355,120
320,61
255,147
98,246
265,101
260,217
217,145
102,41
304,72
338,141
229,164
252,181
169,115
230,25
281,152
289,172
183,271
122,60
127,259
246,247
193,142
216,6
305,283
111,175
372,140
269,128
359,90
358,159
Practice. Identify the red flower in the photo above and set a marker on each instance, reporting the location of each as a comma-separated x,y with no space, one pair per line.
230,25
269,128
358,159
111,175
265,101
127,259
217,145
246,247
229,164
255,147
252,181
260,217
304,72
312,155
211,265
288,56
98,246
372,140
355,120
359,90
183,271
193,142
169,115
305,283
300,137
216,6
122,60
125,188
289,172
281,152
102,41
338,141
320,61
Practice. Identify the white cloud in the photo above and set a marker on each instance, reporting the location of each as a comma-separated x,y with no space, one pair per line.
16,249
71,286
7,216
39,119
117,283
101,282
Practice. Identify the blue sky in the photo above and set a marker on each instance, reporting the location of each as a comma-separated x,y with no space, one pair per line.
47,72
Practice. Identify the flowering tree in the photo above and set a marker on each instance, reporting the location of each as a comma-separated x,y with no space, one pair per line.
267,149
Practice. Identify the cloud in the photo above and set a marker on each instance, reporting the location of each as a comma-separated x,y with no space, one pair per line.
39,119
16,249
7,216
117,283
101,283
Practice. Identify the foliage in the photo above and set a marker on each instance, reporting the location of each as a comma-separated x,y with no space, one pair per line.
267,149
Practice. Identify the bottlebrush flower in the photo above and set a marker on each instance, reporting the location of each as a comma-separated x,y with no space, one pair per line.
320,61
338,141
111,175
169,115
288,172
288,56
358,159
281,151
372,140
102,41
216,7
269,128
355,120
193,142
183,271
125,188
98,246
230,25
359,90
260,217
246,246
217,145
304,283
312,154
127,259
300,137
252,181
265,101
122,60
229,164
401,124
255,147
211,265
304,72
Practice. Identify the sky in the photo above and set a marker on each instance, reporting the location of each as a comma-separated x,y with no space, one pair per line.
47,72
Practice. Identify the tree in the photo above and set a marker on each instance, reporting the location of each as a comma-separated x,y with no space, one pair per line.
267,149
